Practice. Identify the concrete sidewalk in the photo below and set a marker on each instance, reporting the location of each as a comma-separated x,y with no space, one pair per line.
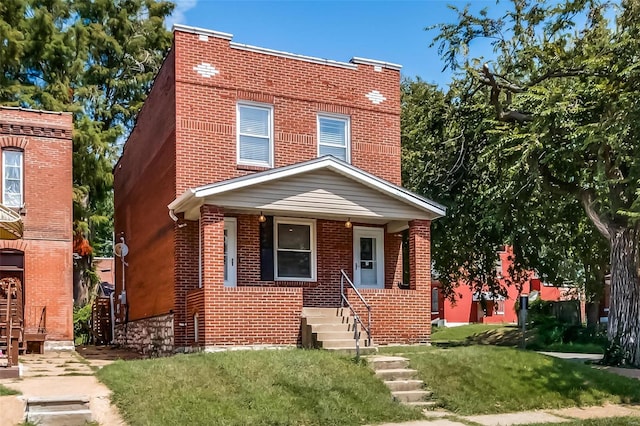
443,418
57,374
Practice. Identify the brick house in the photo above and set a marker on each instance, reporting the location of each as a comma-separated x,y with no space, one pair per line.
36,185
235,216
471,307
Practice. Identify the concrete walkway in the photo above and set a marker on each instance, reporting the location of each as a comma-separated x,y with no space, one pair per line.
57,374
633,373
444,418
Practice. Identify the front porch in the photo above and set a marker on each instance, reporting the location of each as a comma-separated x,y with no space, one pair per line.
251,257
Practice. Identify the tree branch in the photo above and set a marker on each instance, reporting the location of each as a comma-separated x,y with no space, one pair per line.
496,89
586,197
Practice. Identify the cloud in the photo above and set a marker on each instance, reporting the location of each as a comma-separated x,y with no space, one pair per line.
177,17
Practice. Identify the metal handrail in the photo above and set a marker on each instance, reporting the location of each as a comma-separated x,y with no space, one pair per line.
356,317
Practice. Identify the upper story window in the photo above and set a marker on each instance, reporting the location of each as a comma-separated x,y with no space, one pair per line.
334,137
12,178
255,135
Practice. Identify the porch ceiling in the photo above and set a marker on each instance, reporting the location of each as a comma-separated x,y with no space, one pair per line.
321,188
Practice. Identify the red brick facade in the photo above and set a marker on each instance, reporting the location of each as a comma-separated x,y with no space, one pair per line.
44,138
185,137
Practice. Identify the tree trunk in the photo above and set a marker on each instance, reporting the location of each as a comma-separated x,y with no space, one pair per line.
624,311
593,314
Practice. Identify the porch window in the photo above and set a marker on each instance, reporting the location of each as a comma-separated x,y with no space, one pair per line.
499,307
295,249
12,179
333,137
255,135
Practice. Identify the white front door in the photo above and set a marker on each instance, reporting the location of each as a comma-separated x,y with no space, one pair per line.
230,252
368,255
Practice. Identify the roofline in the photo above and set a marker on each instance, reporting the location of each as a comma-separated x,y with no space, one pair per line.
311,165
352,64
293,55
201,31
41,111
376,63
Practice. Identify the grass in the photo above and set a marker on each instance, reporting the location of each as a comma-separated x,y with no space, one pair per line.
488,380
466,333
287,387
581,348
4,391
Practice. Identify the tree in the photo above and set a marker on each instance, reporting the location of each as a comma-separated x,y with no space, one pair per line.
96,59
445,140
564,116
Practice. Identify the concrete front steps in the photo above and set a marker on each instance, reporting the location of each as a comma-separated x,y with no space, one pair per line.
400,380
58,411
332,329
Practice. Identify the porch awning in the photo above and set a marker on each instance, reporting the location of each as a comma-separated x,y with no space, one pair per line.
10,224
324,187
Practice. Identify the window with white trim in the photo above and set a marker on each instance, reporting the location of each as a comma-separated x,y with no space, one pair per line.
12,178
334,137
295,249
255,134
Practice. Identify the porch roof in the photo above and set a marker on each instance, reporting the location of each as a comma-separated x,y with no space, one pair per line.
324,187
11,227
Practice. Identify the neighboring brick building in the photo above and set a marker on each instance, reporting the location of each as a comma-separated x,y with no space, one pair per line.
37,184
234,139
471,307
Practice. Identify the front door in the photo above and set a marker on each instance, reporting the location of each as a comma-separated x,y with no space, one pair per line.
368,255
230,252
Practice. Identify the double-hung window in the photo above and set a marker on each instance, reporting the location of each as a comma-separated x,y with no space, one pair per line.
333,137
255,135
295,249
12,178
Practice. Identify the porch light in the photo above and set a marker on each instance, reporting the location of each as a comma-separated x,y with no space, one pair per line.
262,218
348,223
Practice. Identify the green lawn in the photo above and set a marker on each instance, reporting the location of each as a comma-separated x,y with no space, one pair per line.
488,379
6,391
464,332
286,387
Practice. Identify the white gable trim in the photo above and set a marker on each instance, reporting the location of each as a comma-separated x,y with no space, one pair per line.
195,196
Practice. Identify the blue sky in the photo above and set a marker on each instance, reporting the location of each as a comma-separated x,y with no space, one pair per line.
392,31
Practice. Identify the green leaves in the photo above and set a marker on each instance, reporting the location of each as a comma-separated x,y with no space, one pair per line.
95,58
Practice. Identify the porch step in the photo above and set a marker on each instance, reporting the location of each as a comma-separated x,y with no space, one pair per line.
401,381
334,335
330,328
341,343
59,411
324,312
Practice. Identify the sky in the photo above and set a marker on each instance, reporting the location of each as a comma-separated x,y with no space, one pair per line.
390,31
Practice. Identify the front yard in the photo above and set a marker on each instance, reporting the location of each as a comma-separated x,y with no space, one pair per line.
285,387
294,387
487,379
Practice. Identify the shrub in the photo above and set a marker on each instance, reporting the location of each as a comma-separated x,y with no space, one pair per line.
82,324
